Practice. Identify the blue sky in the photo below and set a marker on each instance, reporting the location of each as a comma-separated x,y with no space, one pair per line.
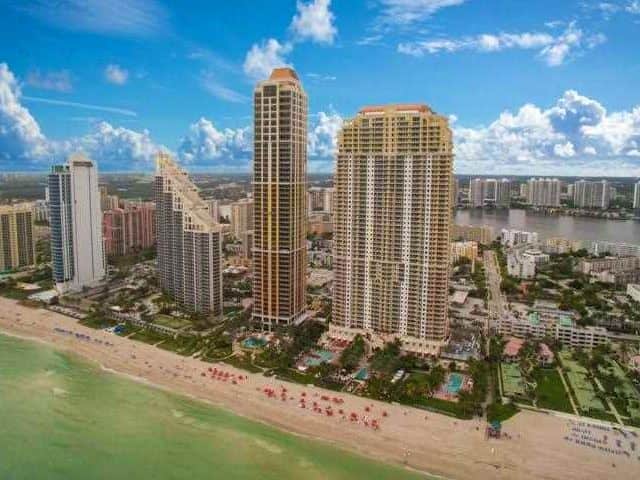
544,87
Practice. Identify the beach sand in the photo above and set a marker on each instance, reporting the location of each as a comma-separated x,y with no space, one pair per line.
424,441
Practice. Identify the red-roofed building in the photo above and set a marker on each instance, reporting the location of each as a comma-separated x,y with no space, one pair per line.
512,349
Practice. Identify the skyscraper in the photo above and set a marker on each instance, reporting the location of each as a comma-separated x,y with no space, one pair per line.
279,192
587,194
76,225
392,227
476,193
189,241
241,217
129,228
490,192
544,192
503,193
636,195
17,243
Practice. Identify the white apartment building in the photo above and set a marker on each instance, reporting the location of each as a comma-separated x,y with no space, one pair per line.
544,192
76,225
614,248
512,238
543,323
587,194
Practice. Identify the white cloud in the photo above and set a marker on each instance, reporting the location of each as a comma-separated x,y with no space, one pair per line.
554,50
207,146
323,136
633,7
408,12
262,59
112,17
116,74
590,151
564,150
574,136
85,106
58,81
215,88
23,146
321,77
114,148
21,140
314,21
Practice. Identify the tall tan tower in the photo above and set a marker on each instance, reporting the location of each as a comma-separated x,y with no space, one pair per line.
279,192
392,227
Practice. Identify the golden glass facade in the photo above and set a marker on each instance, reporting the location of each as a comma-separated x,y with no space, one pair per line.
279,193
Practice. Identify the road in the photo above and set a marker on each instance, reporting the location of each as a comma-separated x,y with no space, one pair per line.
497,302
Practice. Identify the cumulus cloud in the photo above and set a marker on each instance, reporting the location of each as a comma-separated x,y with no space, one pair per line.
262,59
576,135
554,50
116,74
114,148
23,146
207,146
21,141
314,21
57,81
323,136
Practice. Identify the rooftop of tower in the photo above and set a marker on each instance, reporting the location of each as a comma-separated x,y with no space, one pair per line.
284,73
396,107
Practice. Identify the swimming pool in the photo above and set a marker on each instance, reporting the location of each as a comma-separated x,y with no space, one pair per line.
316,357
254,342
454,384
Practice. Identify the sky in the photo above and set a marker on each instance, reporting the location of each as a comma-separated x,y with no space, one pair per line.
542,87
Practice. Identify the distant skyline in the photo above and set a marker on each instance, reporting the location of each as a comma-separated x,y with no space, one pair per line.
550,89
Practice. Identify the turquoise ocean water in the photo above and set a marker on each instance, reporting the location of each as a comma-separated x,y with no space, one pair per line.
64,419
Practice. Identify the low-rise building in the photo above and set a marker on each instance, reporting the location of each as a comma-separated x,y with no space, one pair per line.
482,234
464,250
524,263
610,264
559,245
633,290
551,323
615,248
512,238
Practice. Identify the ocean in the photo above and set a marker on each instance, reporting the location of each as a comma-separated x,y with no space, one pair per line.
62,418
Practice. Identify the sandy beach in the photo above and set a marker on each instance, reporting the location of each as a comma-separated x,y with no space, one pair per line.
539,445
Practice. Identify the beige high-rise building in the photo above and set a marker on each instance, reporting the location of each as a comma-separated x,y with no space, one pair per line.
241,217
279,193
392,227
189,241
17,243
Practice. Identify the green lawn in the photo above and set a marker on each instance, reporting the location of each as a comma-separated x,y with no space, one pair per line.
445,407
501,412
148,336
171,322
550,391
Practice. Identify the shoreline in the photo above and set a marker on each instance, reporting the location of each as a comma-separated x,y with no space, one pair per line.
422,442
221,406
